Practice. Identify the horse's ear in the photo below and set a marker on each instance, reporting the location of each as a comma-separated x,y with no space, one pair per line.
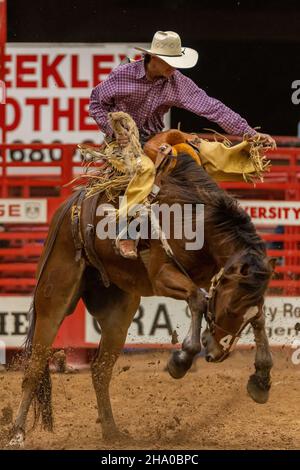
272,263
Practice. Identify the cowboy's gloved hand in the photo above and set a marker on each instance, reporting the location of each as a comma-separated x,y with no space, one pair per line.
122,140
267,138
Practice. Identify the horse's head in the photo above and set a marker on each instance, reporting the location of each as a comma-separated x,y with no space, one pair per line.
235,298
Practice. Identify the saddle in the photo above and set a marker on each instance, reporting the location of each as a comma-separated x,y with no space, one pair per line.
180,142
84,238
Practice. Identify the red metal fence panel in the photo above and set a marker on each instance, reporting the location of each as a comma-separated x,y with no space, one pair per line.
21,243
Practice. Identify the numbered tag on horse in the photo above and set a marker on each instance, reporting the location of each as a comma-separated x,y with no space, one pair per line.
225,342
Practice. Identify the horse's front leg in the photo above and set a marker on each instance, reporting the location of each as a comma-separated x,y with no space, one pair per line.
197,304
181,361
170,282
259,383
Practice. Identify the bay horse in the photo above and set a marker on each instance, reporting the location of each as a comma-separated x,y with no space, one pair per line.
232,265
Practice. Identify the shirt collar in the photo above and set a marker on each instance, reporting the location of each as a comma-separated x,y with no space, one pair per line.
141,72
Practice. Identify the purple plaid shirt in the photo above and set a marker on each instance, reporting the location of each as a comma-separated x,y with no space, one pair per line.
127,89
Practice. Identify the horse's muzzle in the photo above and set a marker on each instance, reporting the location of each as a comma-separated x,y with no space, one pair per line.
213,352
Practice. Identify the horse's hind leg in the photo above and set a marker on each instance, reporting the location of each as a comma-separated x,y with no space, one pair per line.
259,383
56,296
114,314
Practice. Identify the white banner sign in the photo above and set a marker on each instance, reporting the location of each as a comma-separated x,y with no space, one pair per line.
48,90
273,212
33,211
14,320
158,317
155,321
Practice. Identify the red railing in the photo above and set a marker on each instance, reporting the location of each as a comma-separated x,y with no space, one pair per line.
21,245
282,183
62,170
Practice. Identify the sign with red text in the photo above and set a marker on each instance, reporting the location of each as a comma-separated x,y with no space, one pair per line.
273,212
23,210
49,85
2,92
154,323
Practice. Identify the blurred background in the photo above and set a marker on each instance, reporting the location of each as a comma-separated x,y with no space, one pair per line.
248,50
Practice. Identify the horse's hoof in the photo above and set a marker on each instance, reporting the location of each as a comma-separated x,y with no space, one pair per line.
17,442
258,394
178,364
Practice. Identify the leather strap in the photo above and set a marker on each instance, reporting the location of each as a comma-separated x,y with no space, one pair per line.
75,225
88,236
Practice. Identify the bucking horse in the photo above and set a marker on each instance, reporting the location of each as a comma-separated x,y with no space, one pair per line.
225,282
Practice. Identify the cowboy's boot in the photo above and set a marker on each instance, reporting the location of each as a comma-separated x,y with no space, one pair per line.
127,249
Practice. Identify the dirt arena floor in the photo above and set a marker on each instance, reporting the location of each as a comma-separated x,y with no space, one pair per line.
208,409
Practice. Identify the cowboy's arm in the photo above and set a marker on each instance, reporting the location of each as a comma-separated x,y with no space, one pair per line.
194,99
102,102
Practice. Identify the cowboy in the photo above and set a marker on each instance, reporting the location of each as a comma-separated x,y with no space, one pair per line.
148,88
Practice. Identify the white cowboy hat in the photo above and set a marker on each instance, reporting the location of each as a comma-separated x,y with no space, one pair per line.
167,46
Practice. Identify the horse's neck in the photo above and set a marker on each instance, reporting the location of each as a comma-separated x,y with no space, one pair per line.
227,253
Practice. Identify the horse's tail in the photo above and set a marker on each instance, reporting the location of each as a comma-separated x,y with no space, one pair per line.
29,338
42,398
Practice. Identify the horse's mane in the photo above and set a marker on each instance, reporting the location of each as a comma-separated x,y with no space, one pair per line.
189,183
232,226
